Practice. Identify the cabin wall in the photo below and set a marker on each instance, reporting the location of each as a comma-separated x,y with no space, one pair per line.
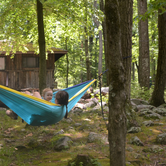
17,77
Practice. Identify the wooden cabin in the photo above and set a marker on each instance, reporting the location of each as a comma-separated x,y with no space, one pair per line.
22,71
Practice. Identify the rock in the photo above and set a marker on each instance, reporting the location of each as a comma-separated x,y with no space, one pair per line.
63,144
70,129
78,124
20,147
68,120
77,109
134,130
79,106
91,104
160,111
59,132
161,139
130,149
162,106
139,102
152,116
149,114
93,137
86,96
139,107
104,91
136,141
95,101
153,149
103,103
96,108
84,160
148,123
82,101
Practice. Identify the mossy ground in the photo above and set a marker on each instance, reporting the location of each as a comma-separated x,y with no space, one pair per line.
25,145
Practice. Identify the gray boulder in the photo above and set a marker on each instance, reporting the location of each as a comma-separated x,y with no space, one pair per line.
93,137
161,139
136,141
134,130
63,144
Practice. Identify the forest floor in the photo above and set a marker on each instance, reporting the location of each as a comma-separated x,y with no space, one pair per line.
24,145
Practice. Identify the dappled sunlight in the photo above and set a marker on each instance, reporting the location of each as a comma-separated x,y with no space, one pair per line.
87,120
156,131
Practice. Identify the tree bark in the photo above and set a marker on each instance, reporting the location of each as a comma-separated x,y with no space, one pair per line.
160,80
67,67
144,60
102,8
41,41
117,79
100,43
126,11
87,57
100,52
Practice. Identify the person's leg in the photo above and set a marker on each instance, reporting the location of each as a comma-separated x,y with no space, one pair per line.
12,114
37,94
27,92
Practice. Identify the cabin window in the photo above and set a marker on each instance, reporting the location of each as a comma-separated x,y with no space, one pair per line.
30,62
2,63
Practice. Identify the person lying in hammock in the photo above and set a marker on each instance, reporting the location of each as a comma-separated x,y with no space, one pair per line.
46,94
61,98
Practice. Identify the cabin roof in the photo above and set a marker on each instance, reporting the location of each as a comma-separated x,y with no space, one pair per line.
30,49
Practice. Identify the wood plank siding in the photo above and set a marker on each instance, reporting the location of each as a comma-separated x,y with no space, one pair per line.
20,73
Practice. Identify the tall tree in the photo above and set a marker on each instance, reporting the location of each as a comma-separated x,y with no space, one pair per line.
126,38
41,41
160,80
117,76
144,60
88,72
100,43
102,8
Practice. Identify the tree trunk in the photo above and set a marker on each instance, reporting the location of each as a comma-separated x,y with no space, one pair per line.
133,71
88,74
105,40
160,80
81,61
117,82
126,11
100,53
87,57
144,60
100,43
41,41
67,70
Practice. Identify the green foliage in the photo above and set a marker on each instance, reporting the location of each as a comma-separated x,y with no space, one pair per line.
140,93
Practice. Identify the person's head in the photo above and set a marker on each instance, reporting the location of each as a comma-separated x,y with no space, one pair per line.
62,98
47,94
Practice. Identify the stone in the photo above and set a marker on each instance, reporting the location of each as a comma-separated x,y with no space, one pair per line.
139,102
63,144
136,141
93,137
161,139
134,130
59,132
148,123
84,160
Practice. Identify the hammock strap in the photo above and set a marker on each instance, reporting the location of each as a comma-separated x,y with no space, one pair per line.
101,97
66,112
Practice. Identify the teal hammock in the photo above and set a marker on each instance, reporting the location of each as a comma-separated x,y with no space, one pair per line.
38,112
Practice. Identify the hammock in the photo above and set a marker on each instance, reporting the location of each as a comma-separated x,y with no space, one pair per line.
39,112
